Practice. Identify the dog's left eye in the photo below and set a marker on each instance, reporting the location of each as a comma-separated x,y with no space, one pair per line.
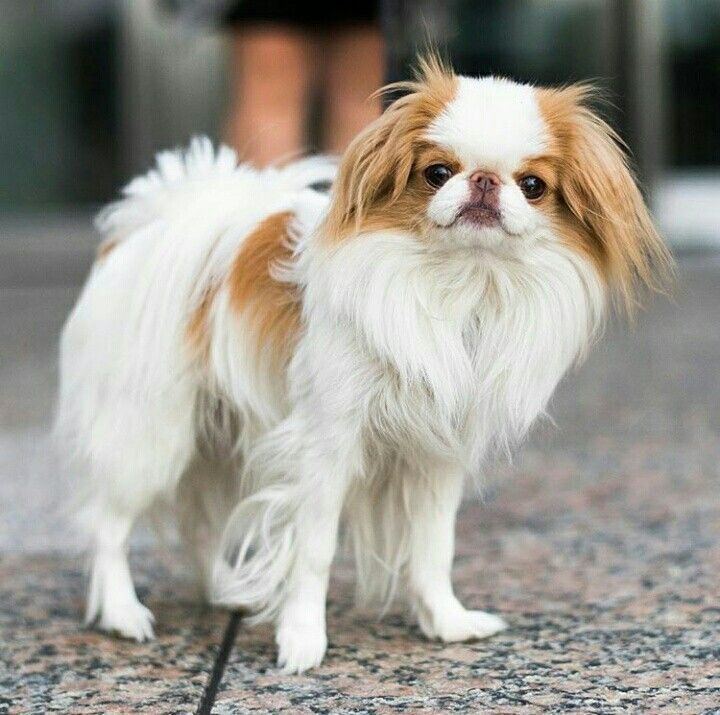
533,187
437,174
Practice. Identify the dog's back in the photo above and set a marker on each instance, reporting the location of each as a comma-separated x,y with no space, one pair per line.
134,361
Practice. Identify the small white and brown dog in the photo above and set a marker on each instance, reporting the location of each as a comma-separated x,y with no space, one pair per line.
282,365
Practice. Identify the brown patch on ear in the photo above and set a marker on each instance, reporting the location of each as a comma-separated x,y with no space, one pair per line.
377,166
271,307
602,205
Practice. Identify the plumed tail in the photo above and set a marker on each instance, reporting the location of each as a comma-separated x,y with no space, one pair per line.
259,544
180,176
308,172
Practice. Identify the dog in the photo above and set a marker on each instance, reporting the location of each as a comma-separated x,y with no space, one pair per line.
280,364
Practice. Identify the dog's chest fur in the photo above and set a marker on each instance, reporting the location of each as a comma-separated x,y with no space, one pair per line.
464,368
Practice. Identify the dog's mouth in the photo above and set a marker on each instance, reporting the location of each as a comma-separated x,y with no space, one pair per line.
479,214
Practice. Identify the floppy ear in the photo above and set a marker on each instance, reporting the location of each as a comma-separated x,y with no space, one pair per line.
599,189
376,167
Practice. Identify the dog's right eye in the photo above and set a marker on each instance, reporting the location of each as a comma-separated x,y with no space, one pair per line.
437,174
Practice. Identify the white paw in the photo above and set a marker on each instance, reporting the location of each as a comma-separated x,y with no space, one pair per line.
463,625
130,619
300,647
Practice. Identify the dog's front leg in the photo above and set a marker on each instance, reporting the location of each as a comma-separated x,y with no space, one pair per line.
436,498
301,634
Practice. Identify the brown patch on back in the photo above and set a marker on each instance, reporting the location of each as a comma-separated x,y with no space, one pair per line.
595,203
198,327
272,307
378,183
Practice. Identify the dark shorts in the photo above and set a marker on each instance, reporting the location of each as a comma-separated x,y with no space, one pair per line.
305,14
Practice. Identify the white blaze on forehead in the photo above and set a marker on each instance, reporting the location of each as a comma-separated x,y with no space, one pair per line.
491,124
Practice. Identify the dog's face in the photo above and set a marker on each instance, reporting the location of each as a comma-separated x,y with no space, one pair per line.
486,191
492,165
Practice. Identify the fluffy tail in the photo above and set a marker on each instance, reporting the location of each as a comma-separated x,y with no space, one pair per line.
307,172
181,174
258,547
258,553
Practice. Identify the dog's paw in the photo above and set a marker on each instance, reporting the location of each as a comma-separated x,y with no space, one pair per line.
129,619
463,625
300,647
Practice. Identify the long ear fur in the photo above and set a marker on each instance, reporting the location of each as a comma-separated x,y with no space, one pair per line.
376,167
599,189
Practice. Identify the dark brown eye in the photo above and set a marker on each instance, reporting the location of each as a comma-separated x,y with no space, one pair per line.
533,187
437,174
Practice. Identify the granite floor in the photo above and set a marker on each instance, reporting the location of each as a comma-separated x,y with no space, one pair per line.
600,545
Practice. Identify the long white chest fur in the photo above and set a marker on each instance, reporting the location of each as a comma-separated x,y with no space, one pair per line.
447,354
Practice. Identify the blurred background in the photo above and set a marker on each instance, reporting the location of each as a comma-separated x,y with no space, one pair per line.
91,89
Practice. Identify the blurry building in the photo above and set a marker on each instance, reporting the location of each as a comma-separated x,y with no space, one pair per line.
90,89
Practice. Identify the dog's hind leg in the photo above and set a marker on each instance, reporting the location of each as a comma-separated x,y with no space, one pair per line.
134,459
112,601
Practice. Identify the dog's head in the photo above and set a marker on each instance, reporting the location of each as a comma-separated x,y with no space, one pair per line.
489,164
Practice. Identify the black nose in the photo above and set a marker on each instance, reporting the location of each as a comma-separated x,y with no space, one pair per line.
485,181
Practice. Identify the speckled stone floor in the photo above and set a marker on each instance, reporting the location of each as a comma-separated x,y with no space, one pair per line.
600,545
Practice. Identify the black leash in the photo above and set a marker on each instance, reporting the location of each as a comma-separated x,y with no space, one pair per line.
210,693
